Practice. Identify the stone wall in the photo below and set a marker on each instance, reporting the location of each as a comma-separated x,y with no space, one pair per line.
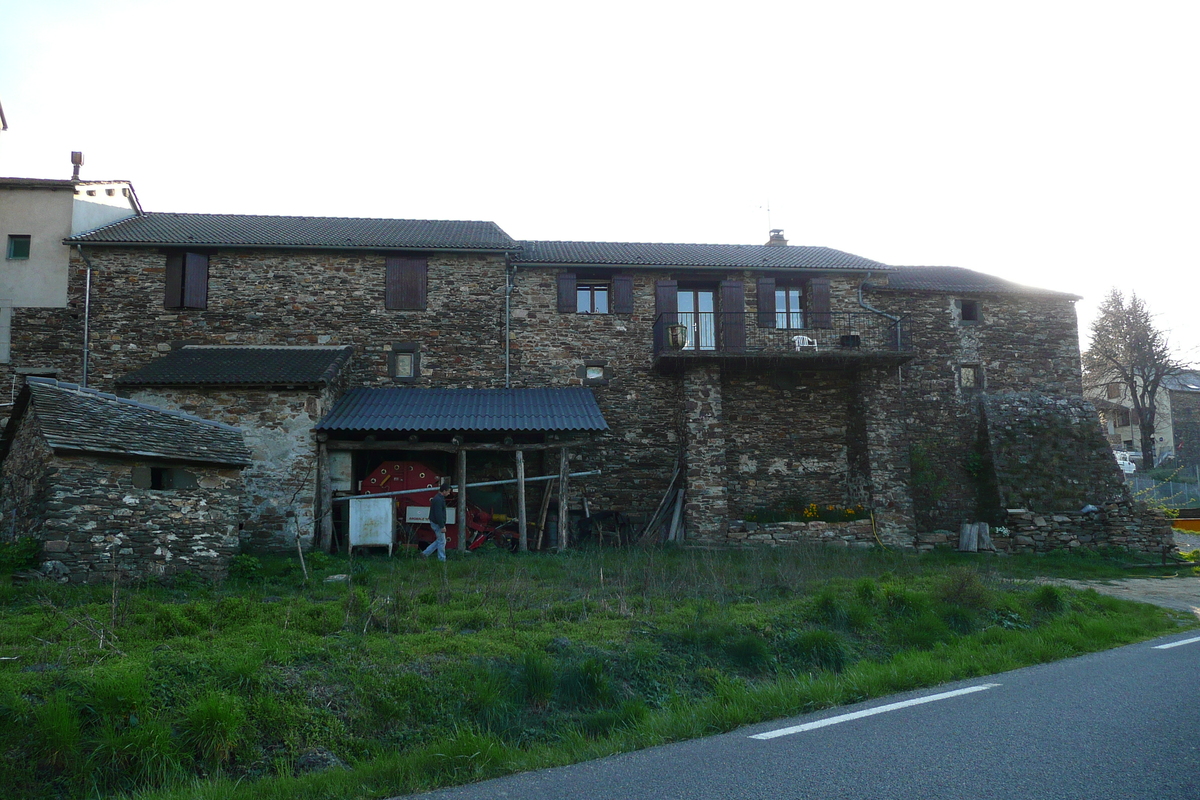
280,485
1022,342
858,533
23,477
1050,454
270,297
1124,524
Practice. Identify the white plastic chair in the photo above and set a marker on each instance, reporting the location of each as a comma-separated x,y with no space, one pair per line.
803,342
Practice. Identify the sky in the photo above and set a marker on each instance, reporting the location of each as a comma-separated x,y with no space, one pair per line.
1051,143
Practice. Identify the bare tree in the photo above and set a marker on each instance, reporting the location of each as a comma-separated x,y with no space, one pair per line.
1128,349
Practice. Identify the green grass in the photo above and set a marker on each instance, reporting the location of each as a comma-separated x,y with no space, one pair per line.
418,675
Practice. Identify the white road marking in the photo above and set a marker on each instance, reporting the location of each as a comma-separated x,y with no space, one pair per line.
870,712
1176,644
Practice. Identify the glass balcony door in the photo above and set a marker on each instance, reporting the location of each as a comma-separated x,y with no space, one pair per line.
697,311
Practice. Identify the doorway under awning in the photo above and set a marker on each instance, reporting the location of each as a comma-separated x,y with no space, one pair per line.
368,424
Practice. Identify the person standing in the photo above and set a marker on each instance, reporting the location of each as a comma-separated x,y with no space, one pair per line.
437,521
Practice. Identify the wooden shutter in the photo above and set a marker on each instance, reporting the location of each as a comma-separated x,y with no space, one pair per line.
195,280
173,297
766,302
622,294
666,306
567,302
819,303
733,315
406,283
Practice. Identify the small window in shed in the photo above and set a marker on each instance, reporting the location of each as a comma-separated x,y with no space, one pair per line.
163,478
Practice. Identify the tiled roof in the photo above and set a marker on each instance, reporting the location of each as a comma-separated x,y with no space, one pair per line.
959,280
1183,382
35,183
83,420
242,230
224,365
748,256
407,409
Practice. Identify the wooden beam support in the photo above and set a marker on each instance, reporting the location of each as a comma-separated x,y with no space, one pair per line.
461,473
324,509
563,461
523,536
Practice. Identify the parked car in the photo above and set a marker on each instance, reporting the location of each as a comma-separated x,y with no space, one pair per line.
1125,462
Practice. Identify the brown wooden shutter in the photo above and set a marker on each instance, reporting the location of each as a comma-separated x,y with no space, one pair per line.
173,296
622,294
567,302
406,283
195,280
733,315
766,302
819,304
666,307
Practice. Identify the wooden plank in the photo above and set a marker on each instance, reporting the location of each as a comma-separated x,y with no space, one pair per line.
563,486
462,501
545,509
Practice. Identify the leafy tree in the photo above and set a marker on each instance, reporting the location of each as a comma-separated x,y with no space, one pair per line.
1128,349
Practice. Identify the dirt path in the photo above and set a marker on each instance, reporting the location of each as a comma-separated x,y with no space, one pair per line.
1182,593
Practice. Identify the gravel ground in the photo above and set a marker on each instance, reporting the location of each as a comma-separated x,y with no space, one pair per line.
1187,541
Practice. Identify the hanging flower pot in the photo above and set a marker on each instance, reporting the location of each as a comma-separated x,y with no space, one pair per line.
677,336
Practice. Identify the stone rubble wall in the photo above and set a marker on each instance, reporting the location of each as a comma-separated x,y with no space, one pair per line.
98,526
857,533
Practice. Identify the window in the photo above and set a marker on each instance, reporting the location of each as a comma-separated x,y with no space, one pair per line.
18,247
404,362
406,283
187,281
789,309
163,478
968,311
595,294
1113,391
594,373
970,377
591,298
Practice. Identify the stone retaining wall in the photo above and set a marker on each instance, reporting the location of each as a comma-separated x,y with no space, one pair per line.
858,533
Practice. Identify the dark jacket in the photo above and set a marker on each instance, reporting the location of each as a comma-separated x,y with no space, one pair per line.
437,510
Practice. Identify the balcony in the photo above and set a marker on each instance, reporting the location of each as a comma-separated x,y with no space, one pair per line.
823,341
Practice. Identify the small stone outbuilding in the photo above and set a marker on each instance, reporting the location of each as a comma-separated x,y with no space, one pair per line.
114,489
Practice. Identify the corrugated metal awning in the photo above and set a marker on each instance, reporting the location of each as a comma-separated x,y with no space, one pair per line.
450,410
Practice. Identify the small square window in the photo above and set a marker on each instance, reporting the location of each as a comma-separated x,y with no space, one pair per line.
1113,391
970,377
404,362
595,373
18,246
968,311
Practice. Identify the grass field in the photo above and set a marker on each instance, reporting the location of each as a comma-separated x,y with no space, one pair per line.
413,674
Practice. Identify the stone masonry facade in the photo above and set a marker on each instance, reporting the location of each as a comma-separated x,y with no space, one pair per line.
906,437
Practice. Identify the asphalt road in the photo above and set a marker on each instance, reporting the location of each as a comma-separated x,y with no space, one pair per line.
1118,725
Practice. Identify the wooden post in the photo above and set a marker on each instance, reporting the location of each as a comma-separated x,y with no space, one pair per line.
461,522
984,532
324,509
967,541
523,536
563,461
545,509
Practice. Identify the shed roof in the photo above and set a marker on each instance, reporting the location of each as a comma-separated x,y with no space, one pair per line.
75,419
959,280
341,233
245,365
452,410
746,256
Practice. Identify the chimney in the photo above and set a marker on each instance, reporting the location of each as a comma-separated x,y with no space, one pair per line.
777,239
77,161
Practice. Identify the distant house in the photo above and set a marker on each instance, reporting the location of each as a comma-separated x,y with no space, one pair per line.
36,216
114,488
1176,420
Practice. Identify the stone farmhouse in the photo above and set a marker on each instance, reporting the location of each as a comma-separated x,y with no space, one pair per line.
747,377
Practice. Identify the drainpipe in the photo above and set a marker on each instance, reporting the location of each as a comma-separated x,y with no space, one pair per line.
87,313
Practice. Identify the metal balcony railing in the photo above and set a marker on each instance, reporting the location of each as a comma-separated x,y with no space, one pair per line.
750,334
